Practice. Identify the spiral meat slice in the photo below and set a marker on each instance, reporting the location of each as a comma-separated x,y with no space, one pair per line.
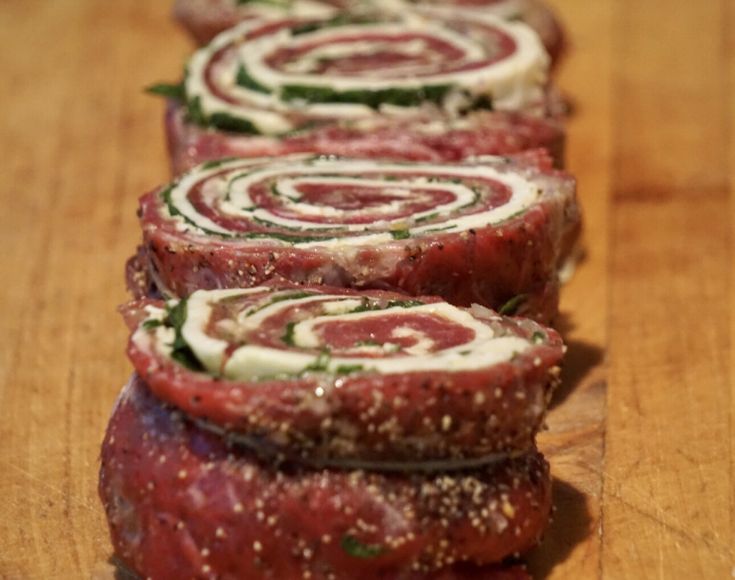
485,232
204,19
340,378
274,77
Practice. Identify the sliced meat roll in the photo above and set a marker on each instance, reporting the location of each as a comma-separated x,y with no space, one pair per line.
184,503
269,78
487,232
479,133
204,19
337,377
419,85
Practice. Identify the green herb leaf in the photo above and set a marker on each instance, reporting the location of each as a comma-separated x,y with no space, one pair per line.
288,335
152,323
339,20
245,80
227,122
512,306
194,112
166,197
181,351
356,548
404,303
176,314
538,337
349,369
168,90
400,234
514,215
427,218
373,99
187,358
321,363
216,162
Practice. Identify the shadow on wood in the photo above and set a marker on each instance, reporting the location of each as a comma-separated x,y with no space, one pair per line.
113,569
571,525
580,359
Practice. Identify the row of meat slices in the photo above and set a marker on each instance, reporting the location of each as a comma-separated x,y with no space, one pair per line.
323,385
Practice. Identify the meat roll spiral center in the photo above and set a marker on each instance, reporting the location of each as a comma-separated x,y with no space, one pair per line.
279,76
322,201
244,335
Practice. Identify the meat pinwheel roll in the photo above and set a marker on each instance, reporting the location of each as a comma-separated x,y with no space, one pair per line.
442,140
423,85
407,426
204,19
184,502
491,232
341,378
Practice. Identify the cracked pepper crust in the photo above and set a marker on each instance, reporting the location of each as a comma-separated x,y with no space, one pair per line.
183,503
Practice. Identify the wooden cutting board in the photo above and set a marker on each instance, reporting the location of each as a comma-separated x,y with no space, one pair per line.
641,433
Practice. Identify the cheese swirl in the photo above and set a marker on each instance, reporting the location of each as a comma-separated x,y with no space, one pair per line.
310,202
257,333
272,77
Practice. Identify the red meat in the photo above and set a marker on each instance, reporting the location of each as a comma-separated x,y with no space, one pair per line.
482,133
182,503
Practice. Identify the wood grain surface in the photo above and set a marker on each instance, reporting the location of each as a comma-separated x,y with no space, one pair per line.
641,433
